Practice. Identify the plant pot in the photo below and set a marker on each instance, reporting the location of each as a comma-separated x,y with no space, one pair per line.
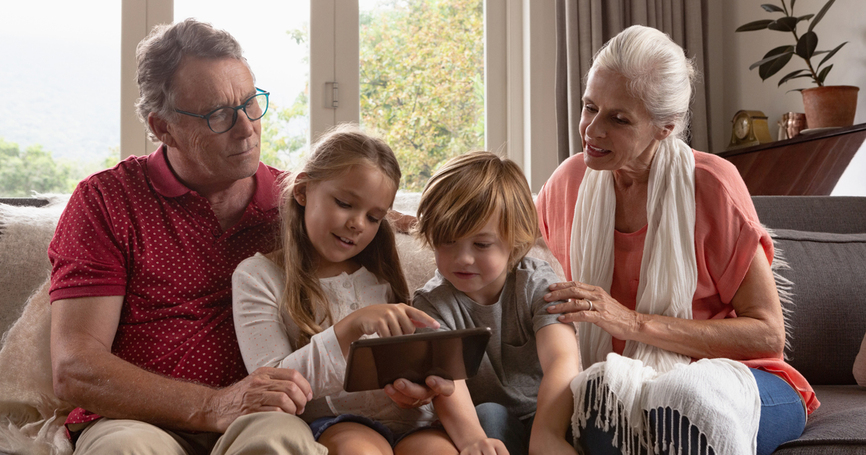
830,105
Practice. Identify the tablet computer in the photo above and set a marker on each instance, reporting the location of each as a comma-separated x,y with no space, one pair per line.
374,363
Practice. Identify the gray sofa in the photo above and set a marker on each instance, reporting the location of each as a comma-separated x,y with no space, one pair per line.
823,240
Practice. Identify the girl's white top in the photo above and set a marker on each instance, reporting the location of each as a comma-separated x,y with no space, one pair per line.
266,338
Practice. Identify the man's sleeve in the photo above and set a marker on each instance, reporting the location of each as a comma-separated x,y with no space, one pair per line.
85,253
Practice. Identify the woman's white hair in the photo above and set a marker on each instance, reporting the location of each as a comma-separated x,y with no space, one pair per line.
658,72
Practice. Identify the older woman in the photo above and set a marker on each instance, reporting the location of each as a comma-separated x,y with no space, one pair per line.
669,265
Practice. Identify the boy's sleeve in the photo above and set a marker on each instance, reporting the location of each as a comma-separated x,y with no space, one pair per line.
537,286
422,302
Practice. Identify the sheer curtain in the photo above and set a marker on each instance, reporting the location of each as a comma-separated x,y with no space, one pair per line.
582,26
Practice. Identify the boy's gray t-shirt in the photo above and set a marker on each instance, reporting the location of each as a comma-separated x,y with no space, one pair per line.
510,372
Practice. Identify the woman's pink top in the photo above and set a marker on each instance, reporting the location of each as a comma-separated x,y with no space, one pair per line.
727,234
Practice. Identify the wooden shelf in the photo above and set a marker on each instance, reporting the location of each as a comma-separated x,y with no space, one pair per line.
809,164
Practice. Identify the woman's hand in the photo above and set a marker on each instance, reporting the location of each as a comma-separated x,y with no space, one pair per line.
586,303
385,319
757,332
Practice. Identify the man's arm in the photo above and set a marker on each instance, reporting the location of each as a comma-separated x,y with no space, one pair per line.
88,375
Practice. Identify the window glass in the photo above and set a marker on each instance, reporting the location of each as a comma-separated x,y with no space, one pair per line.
422,80
275,38
60,115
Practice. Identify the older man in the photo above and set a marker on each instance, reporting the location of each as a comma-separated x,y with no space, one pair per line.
142,338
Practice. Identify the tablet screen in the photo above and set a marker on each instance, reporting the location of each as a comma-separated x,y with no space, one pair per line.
374,363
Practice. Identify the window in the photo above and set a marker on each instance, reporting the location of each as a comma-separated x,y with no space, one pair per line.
422,80
60,116
88,119
421,65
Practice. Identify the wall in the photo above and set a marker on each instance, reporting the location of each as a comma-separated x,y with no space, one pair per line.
743,89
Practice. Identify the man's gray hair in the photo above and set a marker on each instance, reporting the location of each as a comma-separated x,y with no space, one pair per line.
160,54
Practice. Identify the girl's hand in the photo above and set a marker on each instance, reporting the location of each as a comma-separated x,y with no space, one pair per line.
386,319
604,311
390,319
408,395
486,446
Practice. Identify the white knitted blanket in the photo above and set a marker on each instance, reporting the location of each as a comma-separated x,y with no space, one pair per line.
718,396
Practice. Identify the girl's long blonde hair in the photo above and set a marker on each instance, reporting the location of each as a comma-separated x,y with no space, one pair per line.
335,154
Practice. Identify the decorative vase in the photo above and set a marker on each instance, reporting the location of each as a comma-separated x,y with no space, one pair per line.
830,106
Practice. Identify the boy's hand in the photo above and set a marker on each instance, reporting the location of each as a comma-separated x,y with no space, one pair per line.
550,444
407,394
487,446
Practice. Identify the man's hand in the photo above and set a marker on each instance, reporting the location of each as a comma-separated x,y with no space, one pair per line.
88,375
407,394
402,223
266,389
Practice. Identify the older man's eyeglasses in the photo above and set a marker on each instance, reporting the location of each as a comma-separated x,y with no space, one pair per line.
223,119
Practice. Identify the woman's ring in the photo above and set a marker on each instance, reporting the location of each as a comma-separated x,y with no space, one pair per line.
590,304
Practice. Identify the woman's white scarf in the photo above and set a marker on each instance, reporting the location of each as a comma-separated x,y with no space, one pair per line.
719,396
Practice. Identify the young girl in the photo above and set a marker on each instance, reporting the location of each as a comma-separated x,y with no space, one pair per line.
478,215
325,286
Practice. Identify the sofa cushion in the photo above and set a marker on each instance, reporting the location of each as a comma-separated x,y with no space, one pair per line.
834,428
829,314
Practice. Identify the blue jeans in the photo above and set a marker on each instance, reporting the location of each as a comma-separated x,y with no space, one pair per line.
783,418
500,424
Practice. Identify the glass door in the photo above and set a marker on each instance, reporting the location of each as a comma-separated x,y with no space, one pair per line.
422,85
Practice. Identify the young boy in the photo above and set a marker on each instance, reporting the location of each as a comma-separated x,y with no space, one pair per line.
478,215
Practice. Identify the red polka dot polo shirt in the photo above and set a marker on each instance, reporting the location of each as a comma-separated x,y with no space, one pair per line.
135,230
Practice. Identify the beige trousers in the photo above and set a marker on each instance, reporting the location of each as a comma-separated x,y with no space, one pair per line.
259,433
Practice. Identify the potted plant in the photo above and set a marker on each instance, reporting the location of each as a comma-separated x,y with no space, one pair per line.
825,105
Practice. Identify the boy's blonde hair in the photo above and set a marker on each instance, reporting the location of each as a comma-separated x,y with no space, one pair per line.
335,154
460,198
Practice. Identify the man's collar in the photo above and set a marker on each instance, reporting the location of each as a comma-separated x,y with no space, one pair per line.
167,184
160,174
267,194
